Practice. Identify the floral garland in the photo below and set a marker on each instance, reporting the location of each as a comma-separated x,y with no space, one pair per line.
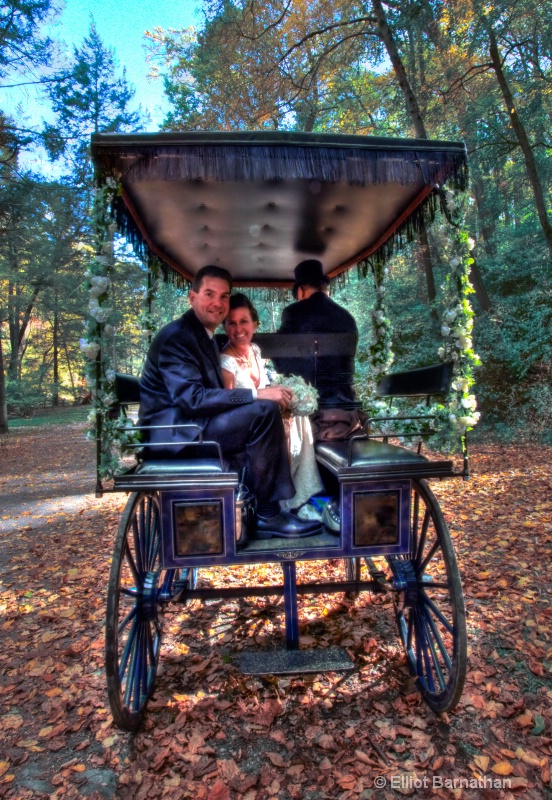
451,420
457,326
112,435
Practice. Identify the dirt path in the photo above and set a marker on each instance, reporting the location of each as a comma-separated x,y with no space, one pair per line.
212,733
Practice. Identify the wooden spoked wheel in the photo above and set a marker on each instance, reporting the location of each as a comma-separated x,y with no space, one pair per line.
137,593
429,604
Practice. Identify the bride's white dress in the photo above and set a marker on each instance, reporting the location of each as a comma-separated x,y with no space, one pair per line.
304,470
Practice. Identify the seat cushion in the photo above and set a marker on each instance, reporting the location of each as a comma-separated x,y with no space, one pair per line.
177,466
367,453
371,458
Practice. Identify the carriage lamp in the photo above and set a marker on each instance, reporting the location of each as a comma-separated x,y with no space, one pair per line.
198,528
376,518
197,523
376,515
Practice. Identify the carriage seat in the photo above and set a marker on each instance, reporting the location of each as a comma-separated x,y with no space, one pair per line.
360,457
366,456
196,458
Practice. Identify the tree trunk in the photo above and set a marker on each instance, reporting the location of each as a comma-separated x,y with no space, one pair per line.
3,399
386,36
522,138
485,215
487,220
476,280
55,396
67,359
18,327
427,264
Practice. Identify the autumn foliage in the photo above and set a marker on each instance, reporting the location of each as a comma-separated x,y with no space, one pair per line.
212,733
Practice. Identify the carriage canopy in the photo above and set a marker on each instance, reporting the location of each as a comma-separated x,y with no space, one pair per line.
257,203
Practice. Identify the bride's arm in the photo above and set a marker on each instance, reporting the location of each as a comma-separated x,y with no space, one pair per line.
228,379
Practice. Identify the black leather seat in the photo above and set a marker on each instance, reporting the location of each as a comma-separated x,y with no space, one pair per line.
370,457
195,466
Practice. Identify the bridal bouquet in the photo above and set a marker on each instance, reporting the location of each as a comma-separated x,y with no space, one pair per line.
305,396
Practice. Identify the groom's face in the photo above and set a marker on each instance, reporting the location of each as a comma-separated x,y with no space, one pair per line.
212,302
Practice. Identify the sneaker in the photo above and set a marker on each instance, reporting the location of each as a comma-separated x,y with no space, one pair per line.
331,517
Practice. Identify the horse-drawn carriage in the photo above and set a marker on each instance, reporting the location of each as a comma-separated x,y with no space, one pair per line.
256,204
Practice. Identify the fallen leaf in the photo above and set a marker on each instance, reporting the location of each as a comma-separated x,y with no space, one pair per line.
482,762
276,759
219,791
502,768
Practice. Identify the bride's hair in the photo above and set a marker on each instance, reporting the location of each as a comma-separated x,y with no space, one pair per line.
240,300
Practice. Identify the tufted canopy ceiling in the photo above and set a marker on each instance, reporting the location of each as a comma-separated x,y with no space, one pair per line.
257,203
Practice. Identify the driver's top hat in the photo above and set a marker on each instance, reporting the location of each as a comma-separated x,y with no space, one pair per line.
309,271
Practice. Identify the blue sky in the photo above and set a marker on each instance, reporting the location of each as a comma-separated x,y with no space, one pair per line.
121,25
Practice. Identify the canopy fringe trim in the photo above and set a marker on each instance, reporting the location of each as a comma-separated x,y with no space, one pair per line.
261,163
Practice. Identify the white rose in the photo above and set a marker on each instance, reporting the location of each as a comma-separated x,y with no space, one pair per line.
445,330
101,281
101,313
454,262
469,401
90,349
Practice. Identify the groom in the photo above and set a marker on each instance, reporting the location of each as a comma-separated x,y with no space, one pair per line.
182,383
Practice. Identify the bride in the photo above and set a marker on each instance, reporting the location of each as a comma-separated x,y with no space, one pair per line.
243,367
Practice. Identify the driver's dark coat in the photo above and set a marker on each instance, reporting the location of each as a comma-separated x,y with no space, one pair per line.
335,375
182,382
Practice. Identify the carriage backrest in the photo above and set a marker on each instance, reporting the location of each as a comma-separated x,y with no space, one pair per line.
127,389
422,382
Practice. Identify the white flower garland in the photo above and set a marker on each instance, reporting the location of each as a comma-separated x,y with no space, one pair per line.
99,329
458,415
457,327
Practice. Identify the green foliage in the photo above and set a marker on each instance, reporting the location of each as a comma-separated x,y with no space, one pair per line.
61,416
27,394
22,44
87,97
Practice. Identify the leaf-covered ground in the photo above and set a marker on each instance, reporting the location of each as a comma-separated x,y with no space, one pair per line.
213,734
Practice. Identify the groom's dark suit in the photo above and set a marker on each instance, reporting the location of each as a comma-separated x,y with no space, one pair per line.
335,374
182,383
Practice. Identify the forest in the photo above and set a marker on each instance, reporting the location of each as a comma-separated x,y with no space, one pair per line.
462,71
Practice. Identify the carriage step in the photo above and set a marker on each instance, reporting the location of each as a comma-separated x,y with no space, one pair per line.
290,662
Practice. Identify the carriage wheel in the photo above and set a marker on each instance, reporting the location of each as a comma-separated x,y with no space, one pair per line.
429,607
352,573
138,589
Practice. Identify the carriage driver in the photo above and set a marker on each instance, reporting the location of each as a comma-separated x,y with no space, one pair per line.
182,383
